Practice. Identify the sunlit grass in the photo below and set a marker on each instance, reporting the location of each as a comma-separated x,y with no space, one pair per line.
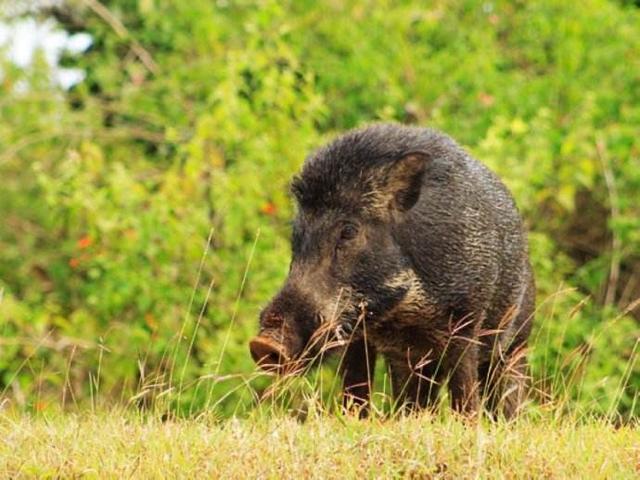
121,445
295,428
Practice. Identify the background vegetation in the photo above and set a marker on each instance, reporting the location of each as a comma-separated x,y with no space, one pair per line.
144,211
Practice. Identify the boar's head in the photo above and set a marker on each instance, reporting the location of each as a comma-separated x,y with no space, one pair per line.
353,198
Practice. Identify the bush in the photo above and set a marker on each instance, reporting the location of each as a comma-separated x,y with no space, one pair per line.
146,209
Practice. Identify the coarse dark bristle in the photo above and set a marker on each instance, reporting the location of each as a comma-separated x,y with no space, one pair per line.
341,173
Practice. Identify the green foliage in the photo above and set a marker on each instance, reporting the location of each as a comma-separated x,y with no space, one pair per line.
145,211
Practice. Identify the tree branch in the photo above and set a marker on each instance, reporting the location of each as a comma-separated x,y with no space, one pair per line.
117,26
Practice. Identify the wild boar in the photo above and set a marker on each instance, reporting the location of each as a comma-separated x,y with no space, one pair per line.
405,246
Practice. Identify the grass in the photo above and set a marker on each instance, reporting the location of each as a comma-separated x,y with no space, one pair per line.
119,445
295,432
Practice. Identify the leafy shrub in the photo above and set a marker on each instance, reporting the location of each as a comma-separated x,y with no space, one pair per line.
146,209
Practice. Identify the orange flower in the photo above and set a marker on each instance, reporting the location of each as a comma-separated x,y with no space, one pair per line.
269,209
150,321
85,242
74,263
486,99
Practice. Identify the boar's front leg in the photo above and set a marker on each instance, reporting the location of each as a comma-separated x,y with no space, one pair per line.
415,387
357,369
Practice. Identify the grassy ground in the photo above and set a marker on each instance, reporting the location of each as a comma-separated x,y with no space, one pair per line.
118,445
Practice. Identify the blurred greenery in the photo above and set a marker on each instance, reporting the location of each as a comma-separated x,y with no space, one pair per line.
144,211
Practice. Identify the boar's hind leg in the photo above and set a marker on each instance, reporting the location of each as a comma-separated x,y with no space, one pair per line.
506,385
357,370
505,375
514,391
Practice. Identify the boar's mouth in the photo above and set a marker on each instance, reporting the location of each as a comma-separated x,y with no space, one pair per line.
274,357
268,354
294,345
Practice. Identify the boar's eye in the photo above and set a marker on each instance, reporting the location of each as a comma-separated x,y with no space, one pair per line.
348,232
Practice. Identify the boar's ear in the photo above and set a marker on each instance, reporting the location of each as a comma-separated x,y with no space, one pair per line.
404,180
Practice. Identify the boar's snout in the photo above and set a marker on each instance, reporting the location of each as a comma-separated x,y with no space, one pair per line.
286,325
267,353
